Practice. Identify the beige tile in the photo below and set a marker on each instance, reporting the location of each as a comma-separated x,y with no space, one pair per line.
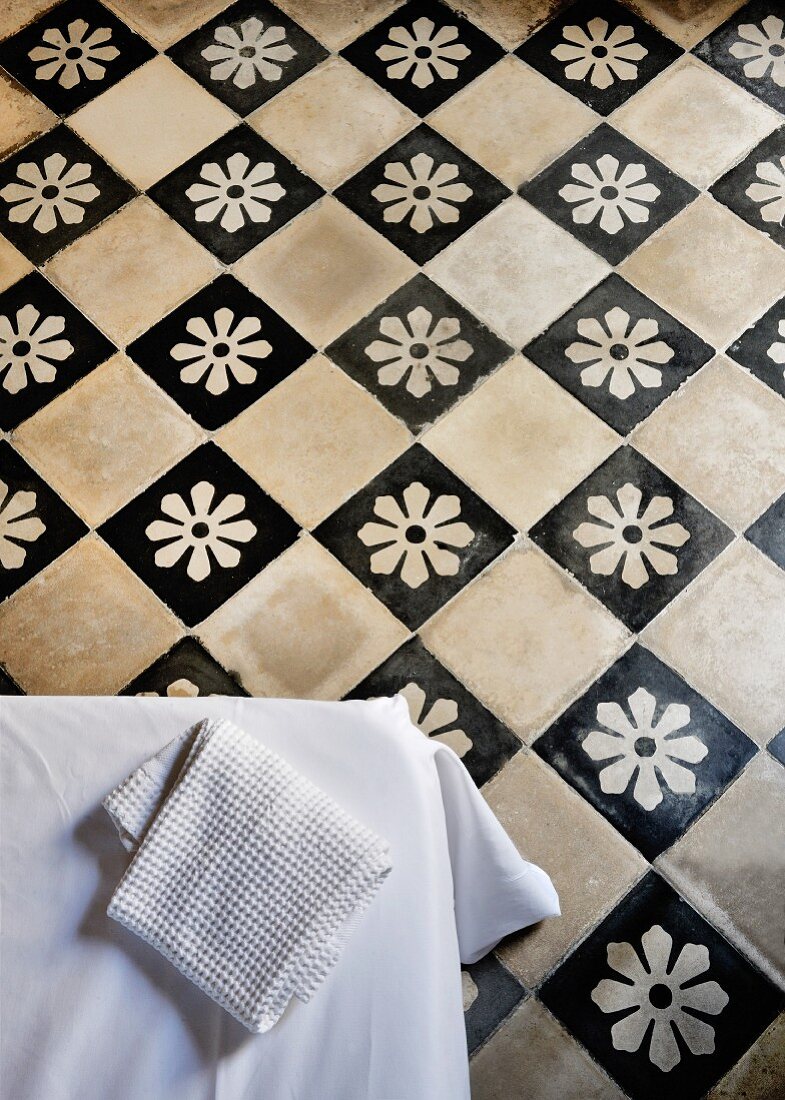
513,121
22,116
343,268
760,1073
509,21
517,270
15,14
710,269
314,440
303,628
86,625
132,269
525,638
164,22
13,265
725,635
695,121
685,21
337,22
316,121
521,441
731,864
589,863
532,1056
92,444
732,460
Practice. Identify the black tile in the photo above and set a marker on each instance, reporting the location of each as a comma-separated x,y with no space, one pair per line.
415,535
73,53
673,1026
79,186
208,547
247,54
741,49
761,349
777,747
423,53
264,185
646,750
642,538
45,346
619,353
490,993
453,351
185,671
256,349
443,708
36,526
599,51
768,532
608,193
422,193
7,685
755,188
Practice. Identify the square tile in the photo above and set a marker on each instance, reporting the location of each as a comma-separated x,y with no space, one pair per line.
490,993
618,353
45,346
422,193
185,672
521,442
442,708
314,440
761,349
490,268
235,193
22,116
423,53
247,54
509,21
659,946
768,532
93,444
200,533
748,49
219,352
164,23
646,750
419,352
21,13
760,1073
54,190
608,193
755,189
13,265
632,536
336,22
73,53
686,21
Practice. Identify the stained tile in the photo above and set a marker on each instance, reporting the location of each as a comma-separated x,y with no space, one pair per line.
760,1073
492,993
749,48
199,533
22,116
755,189
336,22
768,532
509,21
185,672
13,265
17,15
761,349
164,23
686,21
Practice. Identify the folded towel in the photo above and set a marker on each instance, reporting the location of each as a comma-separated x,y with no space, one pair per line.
245,875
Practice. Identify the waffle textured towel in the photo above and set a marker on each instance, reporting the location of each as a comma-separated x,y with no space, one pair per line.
245,875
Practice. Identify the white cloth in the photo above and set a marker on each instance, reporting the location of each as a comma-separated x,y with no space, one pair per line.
246,876
90,1011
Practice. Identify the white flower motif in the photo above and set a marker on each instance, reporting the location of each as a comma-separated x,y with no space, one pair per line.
764,46
622,534
612,195
469,990
776,351
43,195
221,353
17,524
200,532
623,353
440,720
644,748
416,536
421,54
771,193
420,189
419,350
178,689
30,346
254,51
658,995
601,56
71,56
234,192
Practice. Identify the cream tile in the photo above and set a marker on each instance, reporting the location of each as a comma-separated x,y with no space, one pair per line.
517,270
509,21
303,628
15,14
13,265
760,1073
22,116
513,121
84,626
725,636
525,639
92,444
164,22
337,22
343,268
314,440
521,441
732,460
589,863
132,269
316,121
686,21
691,268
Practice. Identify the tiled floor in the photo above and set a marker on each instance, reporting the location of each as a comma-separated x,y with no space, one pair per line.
350,347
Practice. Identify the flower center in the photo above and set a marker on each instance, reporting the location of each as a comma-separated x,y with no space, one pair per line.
247,51
421,191
200,530
609,192
415,533
777,49
234,191
419,350
49,191
599,51
221,348
21,347
422,52
660,996
645,746
73,52
632,533
619,351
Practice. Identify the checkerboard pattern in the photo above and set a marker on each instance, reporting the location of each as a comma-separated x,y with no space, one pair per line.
349,349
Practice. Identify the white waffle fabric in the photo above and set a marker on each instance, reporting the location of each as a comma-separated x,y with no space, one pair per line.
245,875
